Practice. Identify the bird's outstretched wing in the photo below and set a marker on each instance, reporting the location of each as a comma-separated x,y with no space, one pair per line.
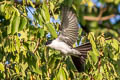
69,25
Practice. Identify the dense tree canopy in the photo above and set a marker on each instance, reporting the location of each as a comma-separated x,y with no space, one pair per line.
23,54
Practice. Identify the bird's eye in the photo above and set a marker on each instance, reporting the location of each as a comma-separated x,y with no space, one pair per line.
48,42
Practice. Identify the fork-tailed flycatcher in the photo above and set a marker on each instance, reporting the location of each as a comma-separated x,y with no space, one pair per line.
68,36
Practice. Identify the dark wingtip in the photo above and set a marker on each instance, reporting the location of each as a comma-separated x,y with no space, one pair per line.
79,64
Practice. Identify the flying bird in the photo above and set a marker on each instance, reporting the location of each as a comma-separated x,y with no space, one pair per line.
67,37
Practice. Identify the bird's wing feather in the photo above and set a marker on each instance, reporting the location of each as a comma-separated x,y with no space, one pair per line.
69,27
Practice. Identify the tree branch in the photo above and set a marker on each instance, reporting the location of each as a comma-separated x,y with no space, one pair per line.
92,18
99,18
37,45
102,10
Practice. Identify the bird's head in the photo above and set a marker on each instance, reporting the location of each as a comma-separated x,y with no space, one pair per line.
48,42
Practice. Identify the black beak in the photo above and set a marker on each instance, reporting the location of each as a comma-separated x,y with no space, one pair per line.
48,42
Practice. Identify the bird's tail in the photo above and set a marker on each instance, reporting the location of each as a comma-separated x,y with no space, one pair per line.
79,61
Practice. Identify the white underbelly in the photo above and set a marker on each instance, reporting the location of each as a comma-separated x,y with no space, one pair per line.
63,47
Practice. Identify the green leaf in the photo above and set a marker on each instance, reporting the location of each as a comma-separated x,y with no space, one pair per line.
17,69
68,3
2,8
31,3
24,66
69,64
52,61
9,29
80,32
23,23
77,3
92,38
61,74
51,30
15,24
52,7
40,19
10,26
45,12
117,2
114,33
2,67
95,53
36,69
115,44
94,57
42,32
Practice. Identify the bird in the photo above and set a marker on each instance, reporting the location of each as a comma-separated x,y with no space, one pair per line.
67,37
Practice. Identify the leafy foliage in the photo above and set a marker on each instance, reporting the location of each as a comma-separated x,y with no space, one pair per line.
23,54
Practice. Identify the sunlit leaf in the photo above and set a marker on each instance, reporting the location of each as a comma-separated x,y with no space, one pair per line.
115,44
42,32
15,24
31,3
36,70
61,74
9,28
23,23
94,57
45,13
17,69
2,67
2,8
92,38
40,19
51,30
